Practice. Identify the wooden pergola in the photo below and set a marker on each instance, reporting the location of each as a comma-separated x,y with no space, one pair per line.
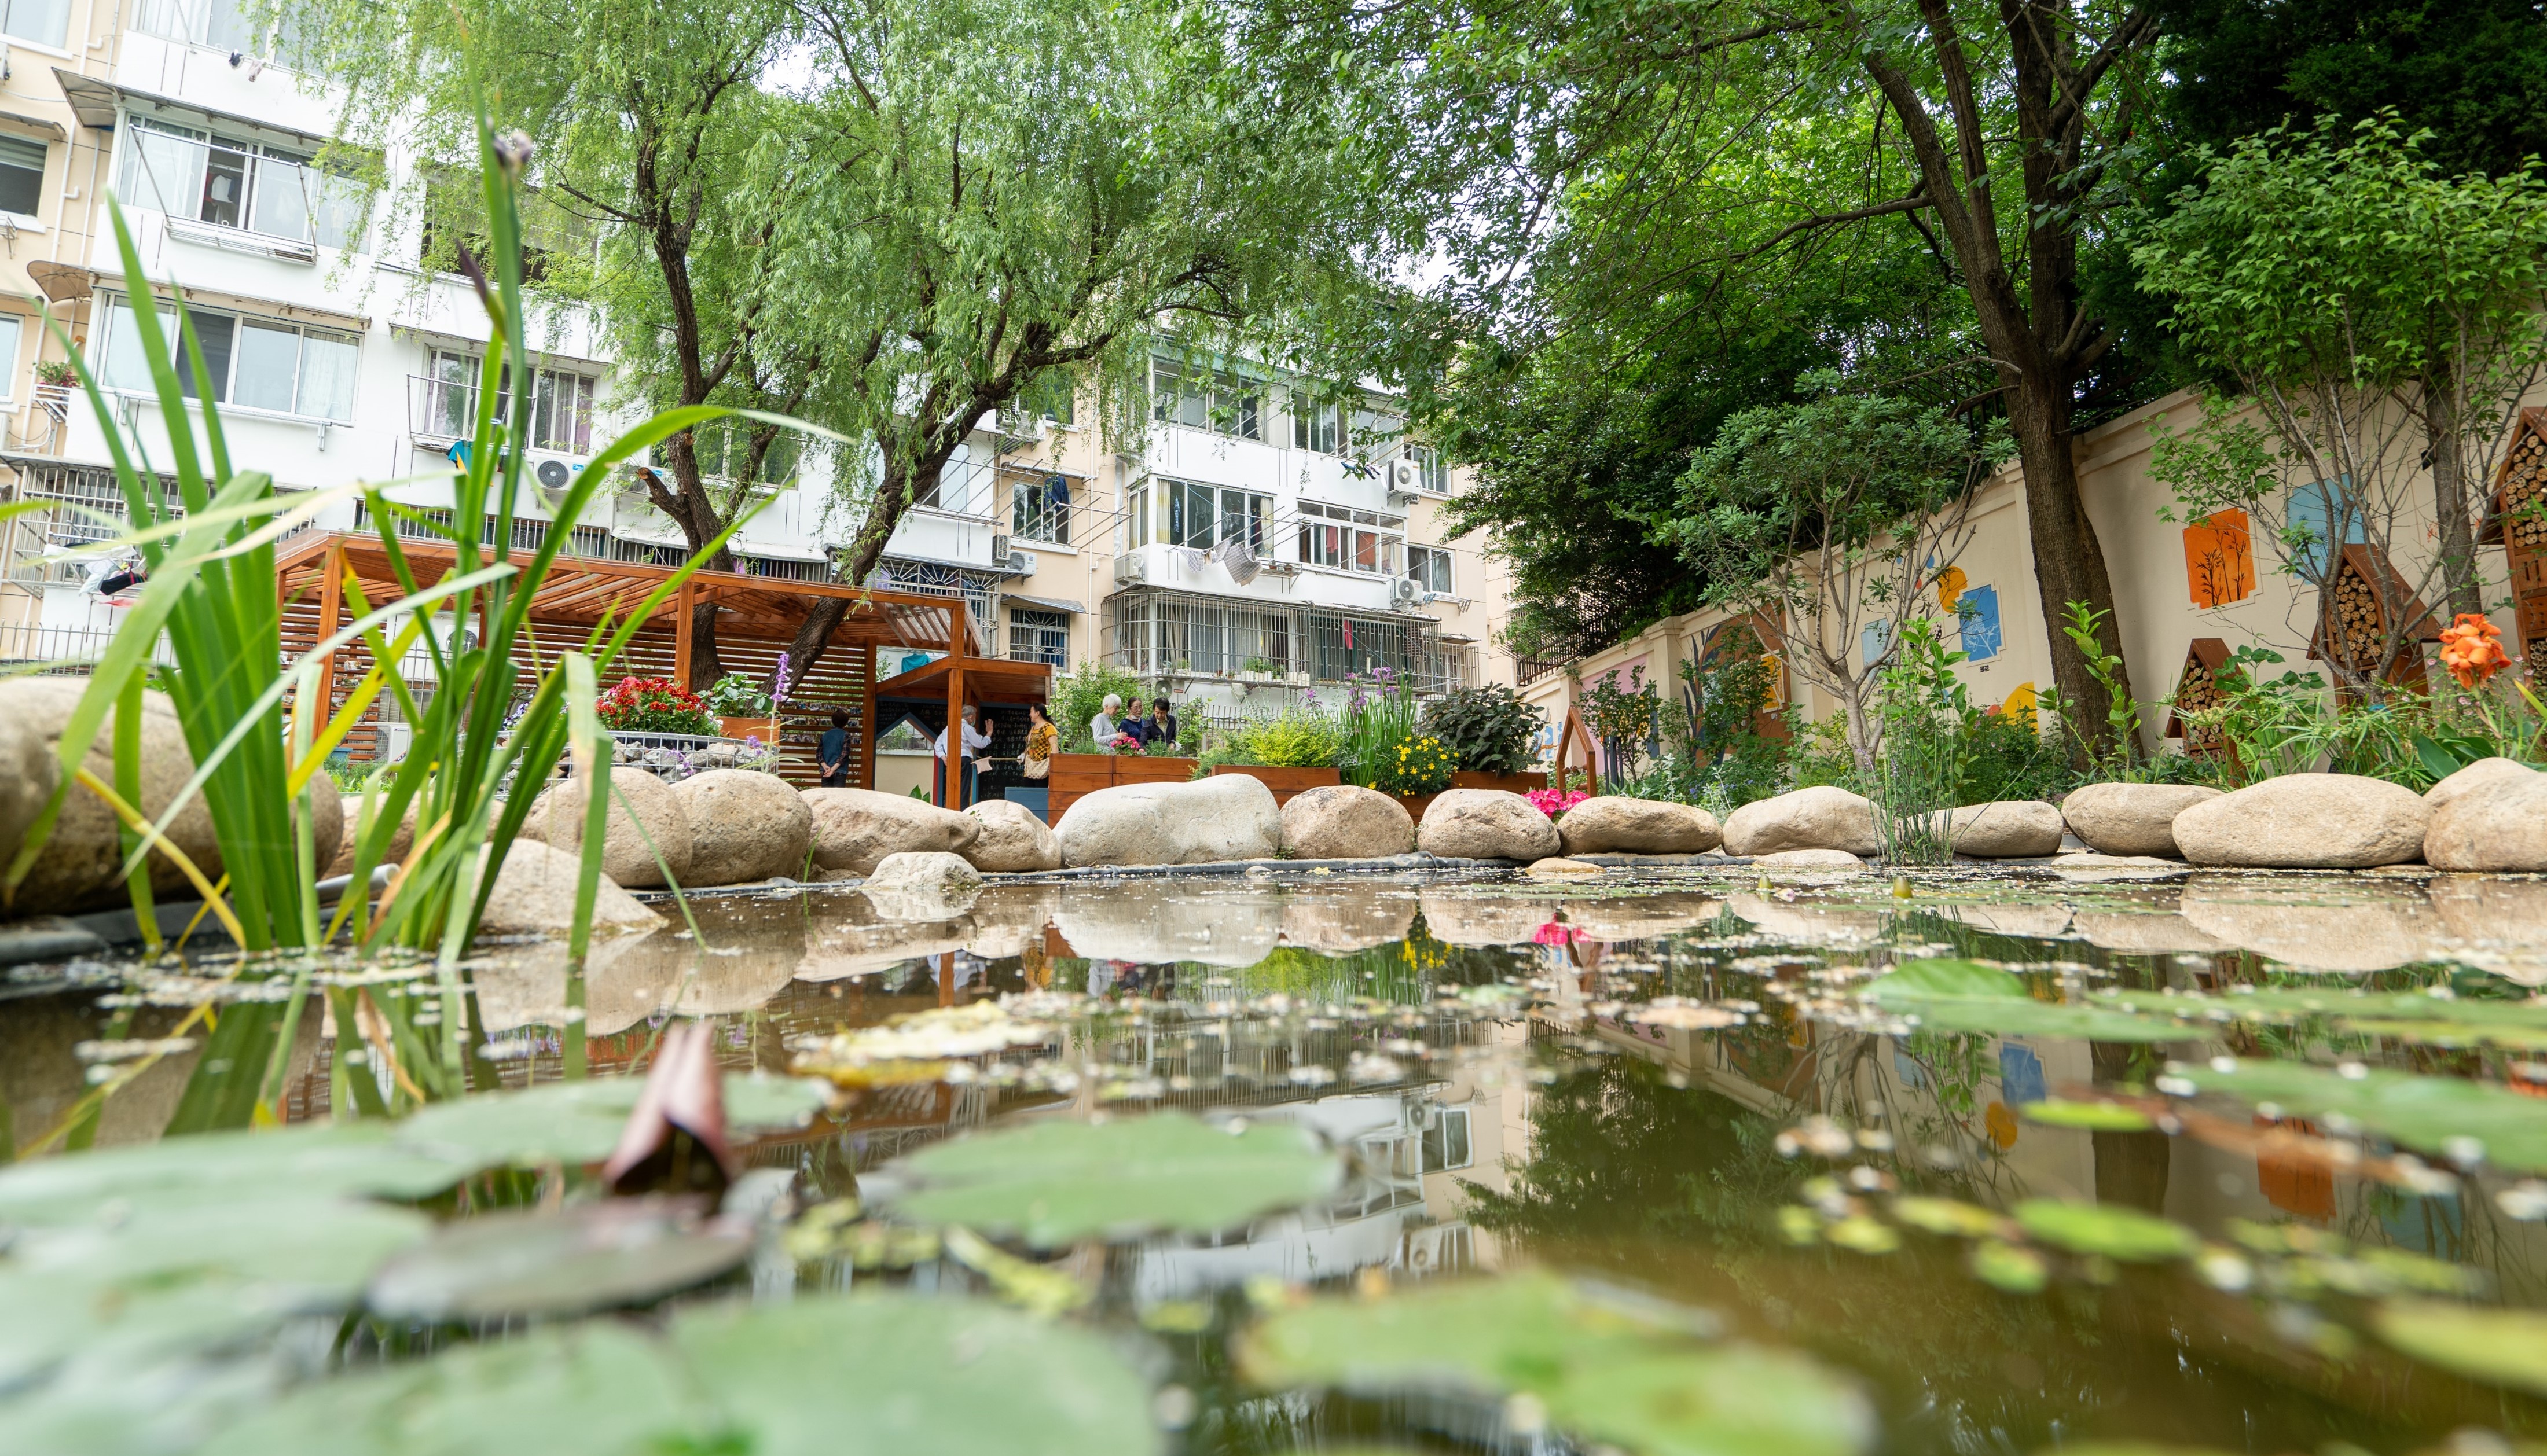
757,618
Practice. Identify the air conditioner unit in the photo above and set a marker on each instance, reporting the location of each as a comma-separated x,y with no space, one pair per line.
998,548
1127,569
1405,476
1404,591
1020,564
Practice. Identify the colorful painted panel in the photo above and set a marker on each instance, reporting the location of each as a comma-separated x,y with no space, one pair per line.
2220,559
2315,510
1979,607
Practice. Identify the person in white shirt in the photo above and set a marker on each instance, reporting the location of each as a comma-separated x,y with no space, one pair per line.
975,737
1102,727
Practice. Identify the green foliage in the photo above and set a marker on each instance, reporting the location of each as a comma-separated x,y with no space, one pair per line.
737,694
1419,764
1297,738
1489,729
1379,714
1078,694
2113,753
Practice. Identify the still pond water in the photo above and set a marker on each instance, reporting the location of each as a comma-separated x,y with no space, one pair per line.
1970,1164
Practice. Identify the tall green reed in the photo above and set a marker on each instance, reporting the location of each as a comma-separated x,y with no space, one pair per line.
211,590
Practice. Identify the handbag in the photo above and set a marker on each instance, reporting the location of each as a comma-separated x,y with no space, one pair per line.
1038,768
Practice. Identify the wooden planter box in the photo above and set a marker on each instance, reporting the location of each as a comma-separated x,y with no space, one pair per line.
1077,774
1284,782
1508,782
763,729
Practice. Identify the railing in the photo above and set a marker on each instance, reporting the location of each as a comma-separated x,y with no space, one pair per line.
1528,670
1157,633
67,650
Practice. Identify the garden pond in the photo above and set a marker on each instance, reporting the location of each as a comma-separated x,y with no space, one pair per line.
1677,1160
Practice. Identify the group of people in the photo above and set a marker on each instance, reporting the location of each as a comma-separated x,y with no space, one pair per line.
1043,740
1158,726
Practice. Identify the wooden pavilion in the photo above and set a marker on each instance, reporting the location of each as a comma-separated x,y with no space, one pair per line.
757,617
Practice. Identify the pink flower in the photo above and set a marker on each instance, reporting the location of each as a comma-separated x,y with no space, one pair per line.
1555,802
1556,932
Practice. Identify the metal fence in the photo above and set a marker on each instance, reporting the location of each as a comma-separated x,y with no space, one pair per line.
1162,633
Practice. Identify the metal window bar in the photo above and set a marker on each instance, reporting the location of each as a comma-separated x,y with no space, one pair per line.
1040,509
1172,632
1039,637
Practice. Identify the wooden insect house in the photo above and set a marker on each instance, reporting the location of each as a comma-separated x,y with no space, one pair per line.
2353,628
2197,688
2517,522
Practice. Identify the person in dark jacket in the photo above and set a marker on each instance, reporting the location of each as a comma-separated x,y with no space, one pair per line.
834,751
1162,727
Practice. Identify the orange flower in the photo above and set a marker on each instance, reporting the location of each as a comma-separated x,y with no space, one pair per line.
2472,649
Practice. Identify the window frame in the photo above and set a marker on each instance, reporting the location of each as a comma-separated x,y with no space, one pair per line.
260,165
1440,555
1053,636
111,364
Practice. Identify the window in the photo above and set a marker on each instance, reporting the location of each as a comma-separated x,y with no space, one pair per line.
455,223
1430,566
45,21
220,25
13,330
1375,431
1204,516
22,176
561,414
1432,473
1318,427
254,363
1190,510
1445,1142
200,177
1350,540
1039,510
1189,394
1039,637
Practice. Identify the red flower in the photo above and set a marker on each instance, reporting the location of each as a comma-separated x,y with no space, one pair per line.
2472,649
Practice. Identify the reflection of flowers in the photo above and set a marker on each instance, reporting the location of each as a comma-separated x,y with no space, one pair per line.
1555,802
1557,932
2472,649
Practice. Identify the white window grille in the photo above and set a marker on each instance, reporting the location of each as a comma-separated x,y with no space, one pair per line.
1039,637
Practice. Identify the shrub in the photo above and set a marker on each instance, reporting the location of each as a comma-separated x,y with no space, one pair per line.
1420,764
1487,729
1077,695
1298,739
654,705
737,694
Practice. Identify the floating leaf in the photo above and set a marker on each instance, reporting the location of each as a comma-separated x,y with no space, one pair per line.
2411,1016
1609,1368
1928,981
1968,997
546,1266
307,1161
1057,1182
2497,1346
2444,1115
578,1123
2123,1234
886,1376
2097,1117
1951,1216
2012,1268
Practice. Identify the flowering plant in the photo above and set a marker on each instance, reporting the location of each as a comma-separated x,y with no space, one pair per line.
1421,764
736,695
2472,649
654,705
1555,802
1123,743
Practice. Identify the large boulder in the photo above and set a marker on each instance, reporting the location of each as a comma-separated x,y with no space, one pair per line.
638,800
326,821
1486,824
855,828
1346,821
2372,927
1339,919
1012,839
2131,819
2008,828
745,826
2497,827
401,838
1223,818
534,895
76,870
1614,823
922,884
2328,821
1820,817
2486,773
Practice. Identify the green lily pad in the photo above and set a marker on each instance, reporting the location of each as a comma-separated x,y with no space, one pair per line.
1056,1182
1968,997
829,1375
306,1161
1612,1369
2506,1347
1949,1216
2101,1229
549,1266
2429,1113
2094,1117
578,1123
2410,1017
885,1376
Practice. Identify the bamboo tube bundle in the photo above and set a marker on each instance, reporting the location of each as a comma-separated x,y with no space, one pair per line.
2199,692
2359,629
2524,485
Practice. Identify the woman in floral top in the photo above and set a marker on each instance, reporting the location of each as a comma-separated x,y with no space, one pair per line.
1042,741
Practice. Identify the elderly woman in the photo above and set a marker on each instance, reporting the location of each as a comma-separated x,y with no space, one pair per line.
1102,727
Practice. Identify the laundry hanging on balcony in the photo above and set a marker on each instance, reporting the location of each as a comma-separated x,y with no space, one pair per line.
1236,559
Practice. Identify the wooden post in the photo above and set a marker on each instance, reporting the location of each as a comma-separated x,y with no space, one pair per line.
954,798
946,979
682,601
867,724
331,607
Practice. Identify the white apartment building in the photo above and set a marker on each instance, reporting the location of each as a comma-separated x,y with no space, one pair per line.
335,357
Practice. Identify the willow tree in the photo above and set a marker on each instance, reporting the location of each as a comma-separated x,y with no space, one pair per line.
965,202
1994,132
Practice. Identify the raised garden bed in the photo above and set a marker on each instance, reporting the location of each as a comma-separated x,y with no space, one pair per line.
1075,775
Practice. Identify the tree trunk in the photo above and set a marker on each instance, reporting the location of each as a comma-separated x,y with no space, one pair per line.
893,497
2450,503
2069,562
688,503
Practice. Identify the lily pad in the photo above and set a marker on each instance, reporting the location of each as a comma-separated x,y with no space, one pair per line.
1057,1182
2094,1117
2101,1229
1968,997
2506,1347
1612,1369
310,1161
547,1265
2410,1017
578,1123
2434,1114
1927,980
